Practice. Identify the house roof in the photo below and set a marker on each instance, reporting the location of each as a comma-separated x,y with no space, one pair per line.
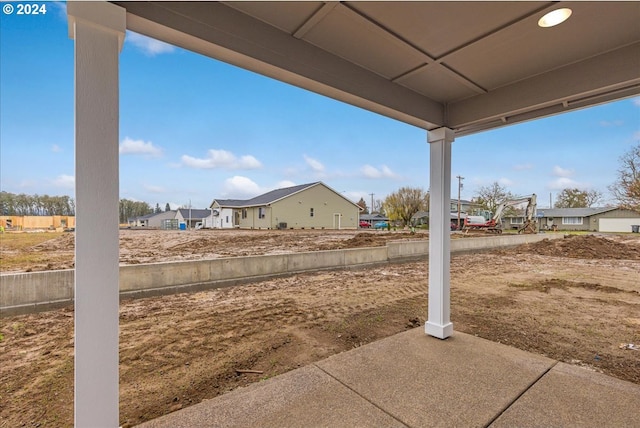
568,212
372,217
195,213
422,214
272,196
142,217
229,203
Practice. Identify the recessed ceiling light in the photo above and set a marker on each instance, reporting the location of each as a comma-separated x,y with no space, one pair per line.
555,17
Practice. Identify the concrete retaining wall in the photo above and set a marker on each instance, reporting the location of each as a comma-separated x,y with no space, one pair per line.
26,292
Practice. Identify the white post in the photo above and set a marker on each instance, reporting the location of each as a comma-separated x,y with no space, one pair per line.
438,323
98,29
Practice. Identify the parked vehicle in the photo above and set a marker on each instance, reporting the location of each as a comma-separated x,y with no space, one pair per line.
365,224
381,225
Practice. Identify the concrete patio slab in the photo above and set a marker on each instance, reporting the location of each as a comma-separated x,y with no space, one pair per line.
571,396
306,397
414,380
427,382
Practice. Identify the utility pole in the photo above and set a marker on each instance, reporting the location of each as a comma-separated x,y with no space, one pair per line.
460,178
371,210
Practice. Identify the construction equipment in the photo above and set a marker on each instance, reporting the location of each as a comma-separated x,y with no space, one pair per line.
494,225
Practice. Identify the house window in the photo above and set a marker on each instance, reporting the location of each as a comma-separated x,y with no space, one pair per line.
517,220
572,220
310,212
244,213
227,219
262,212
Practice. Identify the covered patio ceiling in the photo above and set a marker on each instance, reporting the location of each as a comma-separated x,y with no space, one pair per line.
467,66
450,68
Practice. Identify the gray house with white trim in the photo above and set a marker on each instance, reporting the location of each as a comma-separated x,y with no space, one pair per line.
602,219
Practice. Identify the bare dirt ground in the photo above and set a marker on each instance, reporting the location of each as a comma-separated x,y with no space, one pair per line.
576,300
149,246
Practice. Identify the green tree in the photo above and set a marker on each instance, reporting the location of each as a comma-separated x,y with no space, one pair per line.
167,207
130,209
158,209
362,204
576,198
404,203
626,188
12,204
489,197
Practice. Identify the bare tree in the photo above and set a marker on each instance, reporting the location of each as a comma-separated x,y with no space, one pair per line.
576,198
404,203
626,189
489,197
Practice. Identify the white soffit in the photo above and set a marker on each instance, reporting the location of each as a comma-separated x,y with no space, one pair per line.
469,66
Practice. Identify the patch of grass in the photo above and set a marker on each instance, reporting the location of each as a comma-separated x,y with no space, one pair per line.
16,250
20,241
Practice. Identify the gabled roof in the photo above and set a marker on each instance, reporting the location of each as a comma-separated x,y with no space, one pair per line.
568,212
373,217
195,213
142,217
272,196
276,195
229,203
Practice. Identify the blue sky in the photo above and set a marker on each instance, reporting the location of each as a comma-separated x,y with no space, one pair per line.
195,129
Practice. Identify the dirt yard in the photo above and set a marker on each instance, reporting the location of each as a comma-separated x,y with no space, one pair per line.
576,300
30,252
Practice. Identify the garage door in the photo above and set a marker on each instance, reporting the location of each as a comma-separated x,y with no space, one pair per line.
617,224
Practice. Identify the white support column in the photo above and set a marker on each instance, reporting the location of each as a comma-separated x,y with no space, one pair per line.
98,29
438,323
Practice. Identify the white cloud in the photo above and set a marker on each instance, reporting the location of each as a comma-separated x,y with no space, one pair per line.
564,183
562,172
523,167
61,8
313,164
503,181
139,147
607,124
636,101
372,172
149,46
64,181
221,159
285,183
240,187
56,148
154,189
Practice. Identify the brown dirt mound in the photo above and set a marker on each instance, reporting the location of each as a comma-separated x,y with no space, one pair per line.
368,239
582,247
65,242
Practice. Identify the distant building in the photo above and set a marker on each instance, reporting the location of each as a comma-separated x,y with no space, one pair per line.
465,206
373,218
605,219
188,217
191,216
307,206
31,222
